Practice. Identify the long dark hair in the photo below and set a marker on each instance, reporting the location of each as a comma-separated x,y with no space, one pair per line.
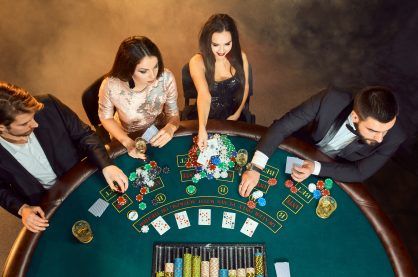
131,51
218,23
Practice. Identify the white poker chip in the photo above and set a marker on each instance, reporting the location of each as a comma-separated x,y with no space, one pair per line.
197,176
150,183
224,174
216,175
257,194
133,215
145,229
311,187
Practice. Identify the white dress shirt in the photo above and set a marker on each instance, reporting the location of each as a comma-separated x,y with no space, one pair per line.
32,157
341,139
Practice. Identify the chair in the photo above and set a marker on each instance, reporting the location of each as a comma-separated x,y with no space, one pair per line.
190,94
90,100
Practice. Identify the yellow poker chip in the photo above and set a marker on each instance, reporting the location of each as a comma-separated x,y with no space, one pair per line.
132,215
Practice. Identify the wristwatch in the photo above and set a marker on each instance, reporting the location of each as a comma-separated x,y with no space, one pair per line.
251,166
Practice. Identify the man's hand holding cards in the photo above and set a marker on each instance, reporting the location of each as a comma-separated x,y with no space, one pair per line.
299,169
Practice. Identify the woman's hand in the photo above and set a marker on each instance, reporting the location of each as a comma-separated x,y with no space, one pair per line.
234,117
163,136
202,139
132,151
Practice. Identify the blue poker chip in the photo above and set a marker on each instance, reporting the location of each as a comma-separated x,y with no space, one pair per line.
261,201
317,194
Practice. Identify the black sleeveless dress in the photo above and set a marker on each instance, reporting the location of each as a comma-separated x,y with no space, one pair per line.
226,97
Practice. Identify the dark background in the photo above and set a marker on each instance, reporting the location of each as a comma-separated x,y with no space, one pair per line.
295,48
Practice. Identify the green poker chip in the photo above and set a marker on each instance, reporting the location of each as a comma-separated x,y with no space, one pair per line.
191,189
132,176
328,183
142,206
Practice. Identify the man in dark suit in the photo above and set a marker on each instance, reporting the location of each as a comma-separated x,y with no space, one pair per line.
40,140
360,134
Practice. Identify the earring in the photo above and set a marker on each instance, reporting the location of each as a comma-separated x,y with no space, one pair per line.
131,83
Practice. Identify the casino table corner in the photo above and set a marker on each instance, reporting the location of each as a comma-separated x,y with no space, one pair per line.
25,245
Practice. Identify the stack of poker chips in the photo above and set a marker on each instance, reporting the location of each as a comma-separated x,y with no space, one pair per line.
218,164
209,260
145,175
321,188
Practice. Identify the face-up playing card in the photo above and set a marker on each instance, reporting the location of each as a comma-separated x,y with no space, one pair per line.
204,157
228,220
213,147
290,162
205,217
98,207
182,219
160,225
150,133
249,227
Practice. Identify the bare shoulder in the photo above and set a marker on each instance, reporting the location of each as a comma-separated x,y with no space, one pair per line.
196,63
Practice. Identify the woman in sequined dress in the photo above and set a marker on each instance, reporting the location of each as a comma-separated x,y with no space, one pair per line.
219,73
136,92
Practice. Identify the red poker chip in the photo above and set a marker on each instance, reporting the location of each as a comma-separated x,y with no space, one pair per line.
153,163
288,183
139,197
188,164
212,167
320,184
294,189
251,204
121,200
143,190
325,192
272,181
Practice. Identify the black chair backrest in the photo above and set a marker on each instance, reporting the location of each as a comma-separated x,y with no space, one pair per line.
90,100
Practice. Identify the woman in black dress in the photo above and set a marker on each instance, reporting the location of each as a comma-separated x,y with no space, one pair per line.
219,73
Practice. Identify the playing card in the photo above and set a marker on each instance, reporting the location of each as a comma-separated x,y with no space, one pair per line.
282,269
98,208
212,147
205,217
290,162
204,157
160,225
249,227
228,220
150,133
182,219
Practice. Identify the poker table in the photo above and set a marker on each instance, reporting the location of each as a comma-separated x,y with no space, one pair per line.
356,240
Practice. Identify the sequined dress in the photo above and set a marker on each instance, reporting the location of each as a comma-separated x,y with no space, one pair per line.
137,110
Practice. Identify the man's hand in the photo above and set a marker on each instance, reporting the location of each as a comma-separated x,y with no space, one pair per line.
33,218
202,139
300,173
248,182
114,174
163,136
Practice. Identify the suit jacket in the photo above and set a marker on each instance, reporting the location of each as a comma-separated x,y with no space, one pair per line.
325,113
65,140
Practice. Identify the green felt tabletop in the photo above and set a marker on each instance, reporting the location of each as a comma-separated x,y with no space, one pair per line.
343,245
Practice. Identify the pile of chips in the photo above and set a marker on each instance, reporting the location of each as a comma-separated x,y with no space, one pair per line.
145,175
256,198
218,165
321,188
